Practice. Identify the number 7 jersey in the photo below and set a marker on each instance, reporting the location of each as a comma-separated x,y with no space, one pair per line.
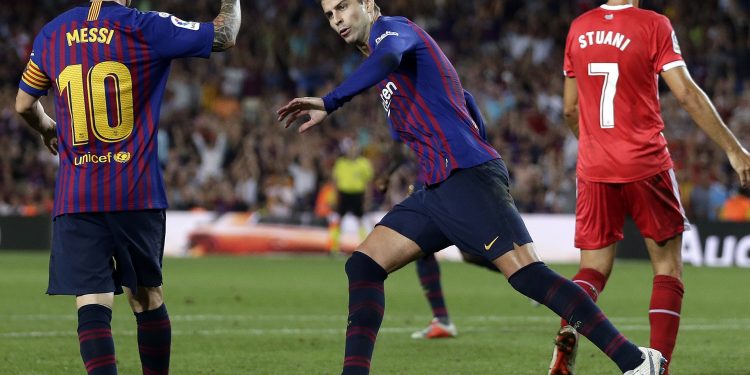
107,66
616,54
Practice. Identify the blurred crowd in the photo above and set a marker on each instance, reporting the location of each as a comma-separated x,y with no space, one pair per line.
222,149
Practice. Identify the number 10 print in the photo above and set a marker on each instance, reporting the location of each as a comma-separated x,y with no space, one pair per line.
97,113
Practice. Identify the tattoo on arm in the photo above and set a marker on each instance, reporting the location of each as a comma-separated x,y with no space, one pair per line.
226,25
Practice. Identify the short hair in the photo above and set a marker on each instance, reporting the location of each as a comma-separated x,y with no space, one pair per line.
376,7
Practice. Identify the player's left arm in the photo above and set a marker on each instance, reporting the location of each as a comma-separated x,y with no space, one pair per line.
570,104
31,110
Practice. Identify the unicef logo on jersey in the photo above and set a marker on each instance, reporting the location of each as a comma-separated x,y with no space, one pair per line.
120,157
386,96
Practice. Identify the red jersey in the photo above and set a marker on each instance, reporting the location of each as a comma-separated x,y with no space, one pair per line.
616,53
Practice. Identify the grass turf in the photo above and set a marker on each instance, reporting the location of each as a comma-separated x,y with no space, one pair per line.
286,315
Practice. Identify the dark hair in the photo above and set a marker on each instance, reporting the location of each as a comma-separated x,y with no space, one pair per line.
376,7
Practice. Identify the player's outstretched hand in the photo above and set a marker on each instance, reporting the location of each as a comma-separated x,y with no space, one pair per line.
49,137
740,161
300,107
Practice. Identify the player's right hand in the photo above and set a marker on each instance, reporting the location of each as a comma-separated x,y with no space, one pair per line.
299,107
49,137
740,161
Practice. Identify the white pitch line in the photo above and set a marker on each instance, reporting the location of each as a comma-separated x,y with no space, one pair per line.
342,317
341,331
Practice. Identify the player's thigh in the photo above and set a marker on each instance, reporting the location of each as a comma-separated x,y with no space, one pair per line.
519,257
655,206
81,258
390,249
139,237
475,211
600,214
104,299
479,261
405,233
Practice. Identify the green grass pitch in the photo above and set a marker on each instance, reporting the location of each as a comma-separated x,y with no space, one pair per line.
286,315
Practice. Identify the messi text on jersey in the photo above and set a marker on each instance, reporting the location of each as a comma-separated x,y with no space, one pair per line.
90,35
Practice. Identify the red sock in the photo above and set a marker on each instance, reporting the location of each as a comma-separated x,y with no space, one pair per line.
592,282
664,314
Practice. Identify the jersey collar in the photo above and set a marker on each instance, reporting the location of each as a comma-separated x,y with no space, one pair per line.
616,7
104,4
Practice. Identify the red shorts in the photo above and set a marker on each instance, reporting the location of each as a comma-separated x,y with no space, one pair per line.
653,203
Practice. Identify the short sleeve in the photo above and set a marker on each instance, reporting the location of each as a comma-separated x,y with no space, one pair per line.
171,37
34,80
667,53
568,59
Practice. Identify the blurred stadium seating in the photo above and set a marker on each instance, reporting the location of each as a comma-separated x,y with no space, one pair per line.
222,149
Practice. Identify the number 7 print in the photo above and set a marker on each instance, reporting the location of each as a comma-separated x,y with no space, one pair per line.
611,73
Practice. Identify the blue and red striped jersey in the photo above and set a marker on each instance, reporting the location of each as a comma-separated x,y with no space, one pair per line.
422,96
107,66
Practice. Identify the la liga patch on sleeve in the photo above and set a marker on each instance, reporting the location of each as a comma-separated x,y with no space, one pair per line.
185,24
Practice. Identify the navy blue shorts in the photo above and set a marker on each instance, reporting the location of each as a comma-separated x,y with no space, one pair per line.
472,209
101,252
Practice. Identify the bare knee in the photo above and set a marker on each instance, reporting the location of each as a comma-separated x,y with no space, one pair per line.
600,260
145,299
668,268
666,256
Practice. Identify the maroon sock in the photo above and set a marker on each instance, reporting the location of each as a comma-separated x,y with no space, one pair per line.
154,340
95,339
428,270
664,314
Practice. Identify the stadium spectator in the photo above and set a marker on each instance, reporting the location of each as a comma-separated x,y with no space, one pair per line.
505,88
624,168
212,148
737,207
109,212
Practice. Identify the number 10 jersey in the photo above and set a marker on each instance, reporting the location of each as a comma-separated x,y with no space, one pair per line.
107,66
